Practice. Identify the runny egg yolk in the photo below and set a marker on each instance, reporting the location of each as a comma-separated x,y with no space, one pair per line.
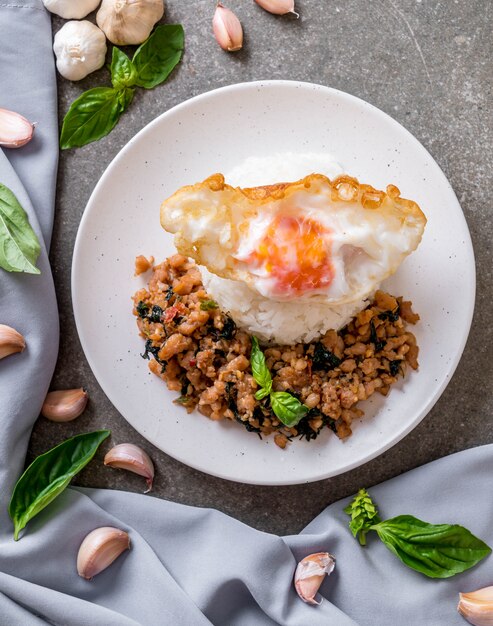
295,252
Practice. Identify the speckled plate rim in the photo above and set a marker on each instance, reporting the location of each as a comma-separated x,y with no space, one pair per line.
463,332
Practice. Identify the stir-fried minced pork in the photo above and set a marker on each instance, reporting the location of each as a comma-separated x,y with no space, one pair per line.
198,351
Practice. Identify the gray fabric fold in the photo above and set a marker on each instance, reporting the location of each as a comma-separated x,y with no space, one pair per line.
27,302
27,85
187,566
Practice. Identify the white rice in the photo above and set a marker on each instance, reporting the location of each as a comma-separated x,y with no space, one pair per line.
283,167
280,322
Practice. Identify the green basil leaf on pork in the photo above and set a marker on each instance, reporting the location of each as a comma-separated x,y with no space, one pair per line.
288,409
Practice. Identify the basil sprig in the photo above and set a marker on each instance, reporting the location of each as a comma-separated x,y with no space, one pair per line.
49,474
19,245
96,112
435,550
288,409
363,514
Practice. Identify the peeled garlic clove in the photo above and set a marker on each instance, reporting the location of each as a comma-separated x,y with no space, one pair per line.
310,573
477,606
227,29
127,22
99,549
10,341
278,7
15,130
64,406
132,458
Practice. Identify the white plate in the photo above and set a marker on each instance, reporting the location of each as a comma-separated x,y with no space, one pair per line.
215,132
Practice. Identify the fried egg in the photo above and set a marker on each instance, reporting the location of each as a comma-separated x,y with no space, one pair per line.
313,239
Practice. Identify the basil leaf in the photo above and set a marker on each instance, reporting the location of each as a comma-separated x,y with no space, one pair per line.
287,408
19,245
364,515
262,393
125,96
157,57
436,550
93,115
260,370
49,474
123,72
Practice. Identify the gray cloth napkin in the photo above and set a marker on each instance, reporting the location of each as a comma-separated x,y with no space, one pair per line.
187,566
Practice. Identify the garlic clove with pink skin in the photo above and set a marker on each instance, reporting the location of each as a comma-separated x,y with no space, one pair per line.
477,606
99,549
227,29
64,405
310,574
15,130
132,458
278,7
11,341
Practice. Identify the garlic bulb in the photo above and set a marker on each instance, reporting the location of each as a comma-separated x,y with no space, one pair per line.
99,549
15,130
278,7
477,606
71,9
10,341
80,48
127,22
64,406
310,574
132,458
227,29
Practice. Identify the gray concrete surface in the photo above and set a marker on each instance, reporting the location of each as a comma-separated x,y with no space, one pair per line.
428,63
